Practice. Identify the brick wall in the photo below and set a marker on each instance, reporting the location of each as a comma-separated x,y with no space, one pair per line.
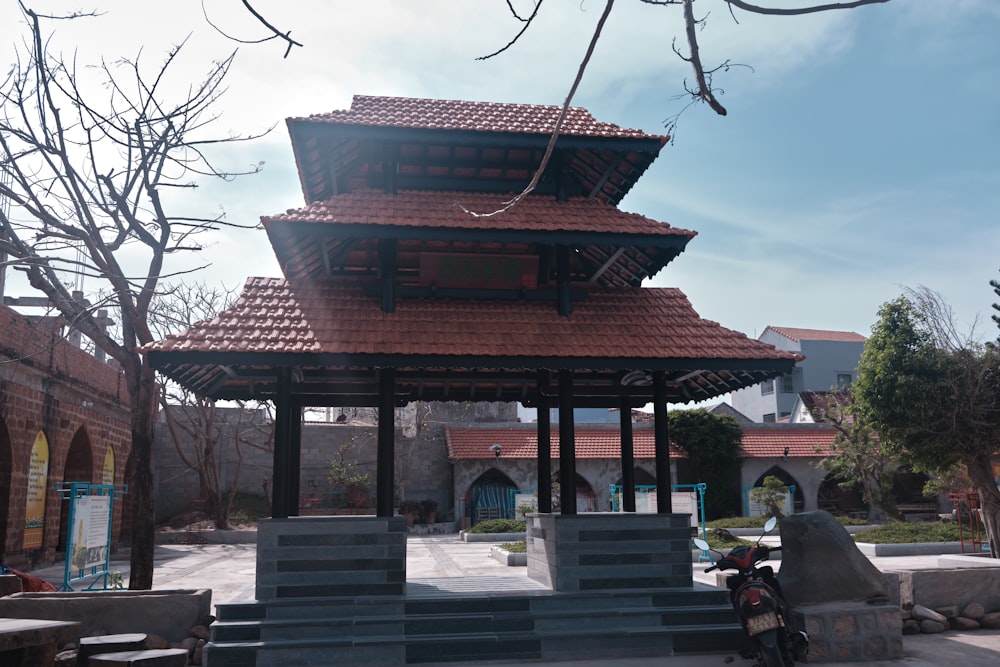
79,402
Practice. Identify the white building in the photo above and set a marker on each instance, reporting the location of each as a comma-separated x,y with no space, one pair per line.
830,362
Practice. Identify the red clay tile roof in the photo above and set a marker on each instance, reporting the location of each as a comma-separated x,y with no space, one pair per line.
603,442
806,440
475,116
592,442
792,333
437,209
648,323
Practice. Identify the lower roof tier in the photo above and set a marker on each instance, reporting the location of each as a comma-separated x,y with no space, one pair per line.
335,338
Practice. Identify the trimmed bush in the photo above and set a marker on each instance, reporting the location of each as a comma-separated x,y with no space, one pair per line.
498,526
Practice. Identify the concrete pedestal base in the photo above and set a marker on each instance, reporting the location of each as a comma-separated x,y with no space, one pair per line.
609,551
850,631
330,556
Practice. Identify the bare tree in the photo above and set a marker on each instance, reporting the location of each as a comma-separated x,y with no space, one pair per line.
87,177
202,433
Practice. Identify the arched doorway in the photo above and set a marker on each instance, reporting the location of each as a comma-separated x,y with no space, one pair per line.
798,499
586,498
79,467
490,497
6,473
837,500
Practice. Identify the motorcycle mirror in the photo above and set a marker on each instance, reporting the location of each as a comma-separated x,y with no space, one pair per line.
701,544
771,523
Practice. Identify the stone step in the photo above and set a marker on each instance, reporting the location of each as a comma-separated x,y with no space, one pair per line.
133,641
165,657
465,647
509,617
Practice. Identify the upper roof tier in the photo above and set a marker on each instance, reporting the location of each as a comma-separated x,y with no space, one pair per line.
340,236
406,143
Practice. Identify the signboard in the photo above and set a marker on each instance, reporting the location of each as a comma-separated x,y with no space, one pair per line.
38,480
681,502
88,540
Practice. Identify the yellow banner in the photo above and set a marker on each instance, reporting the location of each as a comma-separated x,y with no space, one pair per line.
38,482
108,473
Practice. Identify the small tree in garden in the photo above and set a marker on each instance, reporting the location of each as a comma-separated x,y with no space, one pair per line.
771,495
347,474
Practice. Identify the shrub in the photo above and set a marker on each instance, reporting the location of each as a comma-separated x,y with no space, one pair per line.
247,508
907,533
515,547
498,526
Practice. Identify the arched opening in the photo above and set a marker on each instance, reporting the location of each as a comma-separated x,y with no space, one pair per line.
908,490
798,499
837,500
79,467
490,497
6,474
586,499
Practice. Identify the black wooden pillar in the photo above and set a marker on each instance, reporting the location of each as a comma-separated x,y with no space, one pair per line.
567,445
282,444
544,458
294,458
661,444
384,472
628,455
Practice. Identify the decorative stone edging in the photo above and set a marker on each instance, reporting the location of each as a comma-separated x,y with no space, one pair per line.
508,558
466,536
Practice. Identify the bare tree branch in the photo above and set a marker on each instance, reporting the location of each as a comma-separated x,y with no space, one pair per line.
276,33
559,122
524,28
774,11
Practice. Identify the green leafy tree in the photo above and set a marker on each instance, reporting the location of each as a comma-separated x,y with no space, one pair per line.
771,495
712,445
934,397
859,459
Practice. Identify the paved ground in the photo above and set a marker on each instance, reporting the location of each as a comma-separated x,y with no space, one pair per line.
229,569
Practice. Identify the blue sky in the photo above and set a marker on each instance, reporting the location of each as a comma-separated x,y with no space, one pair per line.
860,155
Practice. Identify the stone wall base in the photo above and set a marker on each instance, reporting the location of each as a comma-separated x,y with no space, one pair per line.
601,551
330,556
850,631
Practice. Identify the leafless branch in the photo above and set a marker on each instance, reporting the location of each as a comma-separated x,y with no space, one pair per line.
276,33
559,122
524,28
799,11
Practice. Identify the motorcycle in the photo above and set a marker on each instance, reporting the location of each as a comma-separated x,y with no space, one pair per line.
756,597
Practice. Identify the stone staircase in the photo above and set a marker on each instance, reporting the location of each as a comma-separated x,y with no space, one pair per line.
433,625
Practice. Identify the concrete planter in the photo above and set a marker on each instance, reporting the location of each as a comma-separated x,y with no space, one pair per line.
491,537
508,558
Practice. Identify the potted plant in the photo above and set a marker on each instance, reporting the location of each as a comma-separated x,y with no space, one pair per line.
428,509
409,509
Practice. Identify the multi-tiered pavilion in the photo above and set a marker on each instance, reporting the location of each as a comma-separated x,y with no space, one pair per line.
404,281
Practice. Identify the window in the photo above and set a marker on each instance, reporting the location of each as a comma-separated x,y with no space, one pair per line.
844,381
787,386
767,387
769,418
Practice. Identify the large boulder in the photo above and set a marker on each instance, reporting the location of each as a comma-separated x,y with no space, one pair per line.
821,563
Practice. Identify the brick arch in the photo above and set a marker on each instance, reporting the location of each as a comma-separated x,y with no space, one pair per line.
79,467
6,475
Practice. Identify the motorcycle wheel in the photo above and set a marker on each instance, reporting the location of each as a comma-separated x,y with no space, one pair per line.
771,656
